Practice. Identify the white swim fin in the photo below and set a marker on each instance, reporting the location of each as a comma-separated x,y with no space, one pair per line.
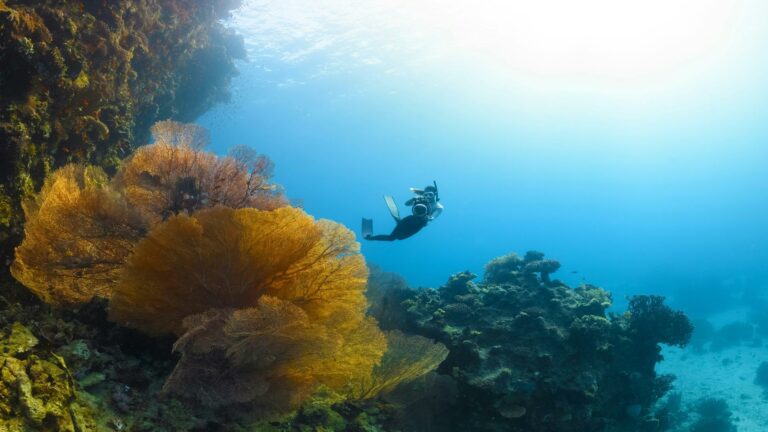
392,207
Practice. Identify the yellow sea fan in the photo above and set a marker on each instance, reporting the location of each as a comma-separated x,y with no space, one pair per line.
227,258
77,236
407,358
174,175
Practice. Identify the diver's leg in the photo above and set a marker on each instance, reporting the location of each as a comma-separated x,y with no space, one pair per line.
407,227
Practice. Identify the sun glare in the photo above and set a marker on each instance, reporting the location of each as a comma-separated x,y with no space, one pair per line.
561,38
617,38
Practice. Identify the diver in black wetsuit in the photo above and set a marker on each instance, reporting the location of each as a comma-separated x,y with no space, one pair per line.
424,208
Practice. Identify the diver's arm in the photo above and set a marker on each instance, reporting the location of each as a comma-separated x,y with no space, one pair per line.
437,208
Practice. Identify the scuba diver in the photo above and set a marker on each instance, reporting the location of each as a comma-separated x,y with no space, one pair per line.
425,207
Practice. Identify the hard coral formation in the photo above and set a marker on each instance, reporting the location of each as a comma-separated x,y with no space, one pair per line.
537,355
82,226
82,82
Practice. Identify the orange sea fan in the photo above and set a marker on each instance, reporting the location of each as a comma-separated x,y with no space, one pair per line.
174,175
228,258
407,359
274,347
78,234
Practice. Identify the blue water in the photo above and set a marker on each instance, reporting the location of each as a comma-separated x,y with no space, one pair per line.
655,183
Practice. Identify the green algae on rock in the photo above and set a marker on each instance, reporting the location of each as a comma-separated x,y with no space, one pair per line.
18,341
37,394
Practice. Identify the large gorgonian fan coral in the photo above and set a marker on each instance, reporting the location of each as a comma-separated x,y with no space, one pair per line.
81,226
268,304
78,234
272,354
407,359
175,175
227,258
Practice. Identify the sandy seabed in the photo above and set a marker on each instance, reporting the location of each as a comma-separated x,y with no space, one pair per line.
728,374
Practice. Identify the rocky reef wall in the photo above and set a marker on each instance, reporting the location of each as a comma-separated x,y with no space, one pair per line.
83,81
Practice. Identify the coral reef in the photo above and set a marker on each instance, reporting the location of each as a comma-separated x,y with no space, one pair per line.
82,226
82,82
532,354
227,258
37,393
323,412
714,416
260,348
174,175
78,234
96,376
670,413
268,305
